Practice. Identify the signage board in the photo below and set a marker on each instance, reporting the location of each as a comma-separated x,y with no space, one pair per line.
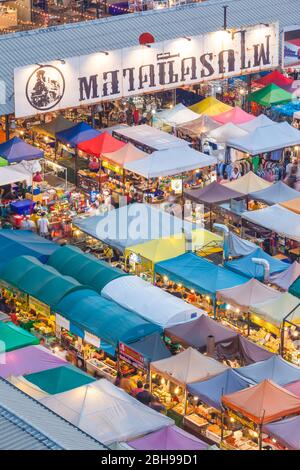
131,356
291,47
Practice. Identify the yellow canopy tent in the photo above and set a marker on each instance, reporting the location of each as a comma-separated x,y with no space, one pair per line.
292,205
210,106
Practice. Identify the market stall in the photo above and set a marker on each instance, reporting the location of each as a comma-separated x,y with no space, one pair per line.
15,150
292,205
286,432
225,132
50,129
210,106
286,279
13,337
277,193
248,183
200,278
195,130
235,115
275,77
275,368
270,95
176,116
97,407
294,287
169,438
260,121
253,408
15,174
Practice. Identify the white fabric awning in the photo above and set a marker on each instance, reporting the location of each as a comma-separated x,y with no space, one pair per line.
274,311
170,162
150,302
177,115
13,174
260,121
228,131
150,136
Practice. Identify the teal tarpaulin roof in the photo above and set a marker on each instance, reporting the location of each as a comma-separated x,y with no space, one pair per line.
34,278
199,274
295,288
246,266
13,337
85,268
103,318
59,379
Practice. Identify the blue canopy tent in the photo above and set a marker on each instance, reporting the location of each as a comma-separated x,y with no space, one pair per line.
77,134
210,391
88,312
15,150
152,347
199,274
275,368
15,243
286,431
247,267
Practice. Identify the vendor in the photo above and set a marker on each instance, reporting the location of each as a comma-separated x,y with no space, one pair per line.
28,224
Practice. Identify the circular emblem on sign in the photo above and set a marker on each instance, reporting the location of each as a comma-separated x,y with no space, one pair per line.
45,87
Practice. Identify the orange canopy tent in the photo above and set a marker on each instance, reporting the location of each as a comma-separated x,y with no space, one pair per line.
292,205
101,144
263,403
127,153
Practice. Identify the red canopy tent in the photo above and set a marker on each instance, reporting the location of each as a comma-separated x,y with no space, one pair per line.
103,143
276,78
235,116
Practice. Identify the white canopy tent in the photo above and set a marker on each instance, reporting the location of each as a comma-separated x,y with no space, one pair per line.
260,121
27,387
152,303
278,219
150,137
106,412
177,115
286,278
274,311
248,293
266,139
170,162
14,174
226,132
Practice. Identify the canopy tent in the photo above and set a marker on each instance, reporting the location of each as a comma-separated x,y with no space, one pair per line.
211,391
214,193
38,280
235,115
77,134
170,162
263,403
286,432
169,438
85,268
165,248
292,205
294,387
249,293
126,154
243,350
285,279
106,412
260,121
50,129
238,246
132,225
150,302
187,97
275,368
15,173
177,115
274,311
100,144
151,347
266,139
195,333
226,132
198,274
276,78
274,194
210,106
188,366
27,387
278,219
248,183
15,150
202,125
15,243
89,312
13,337
28,360
3,162
59,379
247,267
150,137
294,288
270,95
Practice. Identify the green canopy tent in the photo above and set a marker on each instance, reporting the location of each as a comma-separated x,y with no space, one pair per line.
13,337
3,162
59,379
270,95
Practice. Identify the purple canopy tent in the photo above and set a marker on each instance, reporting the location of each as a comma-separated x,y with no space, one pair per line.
294,388
169,438
286,278
244,350
28,361
286,431
15,150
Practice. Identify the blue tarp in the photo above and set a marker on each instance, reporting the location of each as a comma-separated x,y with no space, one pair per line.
286,109
286,431
15,243
246,266
198,274
77,134
276,369
105,319
211,391
151,347
15,150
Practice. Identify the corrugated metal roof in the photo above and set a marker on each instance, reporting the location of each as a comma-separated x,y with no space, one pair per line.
71,40
27,424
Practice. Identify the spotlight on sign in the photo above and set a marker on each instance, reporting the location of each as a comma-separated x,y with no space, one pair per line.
145,39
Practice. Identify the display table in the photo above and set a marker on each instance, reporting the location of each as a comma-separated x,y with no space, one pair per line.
96,367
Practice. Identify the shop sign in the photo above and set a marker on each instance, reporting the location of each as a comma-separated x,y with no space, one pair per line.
39,307
136,70
92,339
114,168
176,186
132,357
291,47
62,322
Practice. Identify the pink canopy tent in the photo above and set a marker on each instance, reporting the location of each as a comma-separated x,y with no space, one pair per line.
169,438
235,116
28,361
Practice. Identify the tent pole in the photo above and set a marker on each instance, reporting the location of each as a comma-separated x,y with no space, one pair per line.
76,167
260,437
7,127
215,307
248,327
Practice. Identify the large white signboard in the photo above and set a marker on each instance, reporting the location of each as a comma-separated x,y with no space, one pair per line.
125,72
